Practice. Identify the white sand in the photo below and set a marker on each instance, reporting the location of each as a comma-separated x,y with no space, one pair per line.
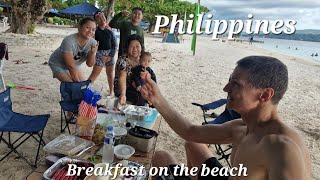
183,79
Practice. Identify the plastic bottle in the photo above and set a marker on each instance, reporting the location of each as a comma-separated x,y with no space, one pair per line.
108,147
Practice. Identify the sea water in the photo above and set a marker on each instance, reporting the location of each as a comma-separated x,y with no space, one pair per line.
301,49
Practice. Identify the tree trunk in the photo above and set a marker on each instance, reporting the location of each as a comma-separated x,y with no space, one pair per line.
25,15
110,10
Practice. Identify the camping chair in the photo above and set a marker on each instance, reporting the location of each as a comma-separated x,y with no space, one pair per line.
225,116
72,94
29,126
3,56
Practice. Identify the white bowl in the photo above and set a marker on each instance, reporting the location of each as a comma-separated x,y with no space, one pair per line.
123,151
119,131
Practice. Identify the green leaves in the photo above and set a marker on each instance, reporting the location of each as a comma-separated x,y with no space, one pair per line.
159,7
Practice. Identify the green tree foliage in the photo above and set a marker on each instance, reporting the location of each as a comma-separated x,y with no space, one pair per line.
75,2
58,4
159,7
25,14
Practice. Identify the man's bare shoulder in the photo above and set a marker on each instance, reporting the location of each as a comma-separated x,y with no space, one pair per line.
284,158
287,149
283,136
277,140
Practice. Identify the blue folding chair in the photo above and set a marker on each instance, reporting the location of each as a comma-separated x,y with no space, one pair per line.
30,126
72,94
225,116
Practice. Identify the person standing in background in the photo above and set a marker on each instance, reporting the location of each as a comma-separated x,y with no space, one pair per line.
128,28
106,51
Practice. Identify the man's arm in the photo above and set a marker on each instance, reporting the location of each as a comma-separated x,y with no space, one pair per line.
117,20
284,159
218,134
210,134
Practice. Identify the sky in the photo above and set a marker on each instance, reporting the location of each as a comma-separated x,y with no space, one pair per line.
306,12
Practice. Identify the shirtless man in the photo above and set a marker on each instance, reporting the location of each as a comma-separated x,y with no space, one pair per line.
267,147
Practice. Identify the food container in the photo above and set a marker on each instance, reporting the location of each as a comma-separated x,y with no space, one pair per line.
137,112
85,127
67,145
49,173
141,139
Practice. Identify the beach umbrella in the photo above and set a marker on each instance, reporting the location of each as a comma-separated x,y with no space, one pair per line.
194,37
81,9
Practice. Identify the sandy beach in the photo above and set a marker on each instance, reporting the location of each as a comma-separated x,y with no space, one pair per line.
182,77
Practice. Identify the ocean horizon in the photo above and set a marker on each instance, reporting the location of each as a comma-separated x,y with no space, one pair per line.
300,49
